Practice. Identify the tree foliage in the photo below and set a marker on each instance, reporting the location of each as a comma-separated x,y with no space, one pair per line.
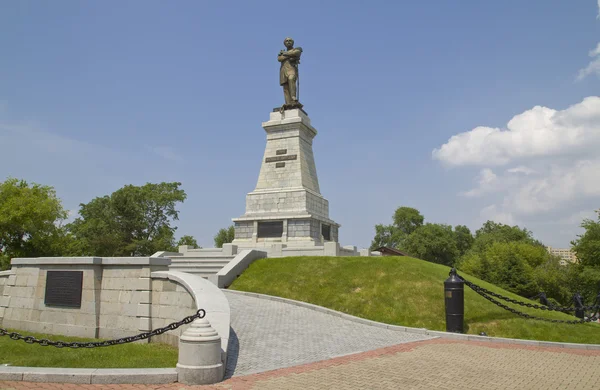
464,239
132,221
492,232
510,265
406,220
30,221
386,235
188,240
432,242
224,236
587,245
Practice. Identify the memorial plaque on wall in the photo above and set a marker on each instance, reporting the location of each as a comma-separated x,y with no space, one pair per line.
63,288
270,229
326,232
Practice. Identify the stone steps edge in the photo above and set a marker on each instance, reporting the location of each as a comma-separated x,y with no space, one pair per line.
423,331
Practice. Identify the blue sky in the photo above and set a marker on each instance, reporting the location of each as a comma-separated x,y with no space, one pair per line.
413,101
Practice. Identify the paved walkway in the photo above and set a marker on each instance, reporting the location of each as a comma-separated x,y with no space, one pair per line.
268,335
429,364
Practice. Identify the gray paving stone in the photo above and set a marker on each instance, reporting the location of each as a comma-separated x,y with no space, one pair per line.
267,335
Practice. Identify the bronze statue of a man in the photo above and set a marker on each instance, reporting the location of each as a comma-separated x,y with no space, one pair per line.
288,73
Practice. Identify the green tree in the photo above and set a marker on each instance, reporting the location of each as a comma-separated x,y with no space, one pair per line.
492,232
510,265
464,239
224,236
432,242
386,235
132,221
407,219
587,245
555,280
30,221
188,240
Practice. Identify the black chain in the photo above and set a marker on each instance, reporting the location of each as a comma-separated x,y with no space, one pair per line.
142,336
479,289
525,315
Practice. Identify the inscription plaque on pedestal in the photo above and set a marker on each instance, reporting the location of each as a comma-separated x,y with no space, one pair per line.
270,229
63,288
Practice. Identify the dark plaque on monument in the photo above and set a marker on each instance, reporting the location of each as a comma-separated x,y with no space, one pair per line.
326,232
270,229
63,288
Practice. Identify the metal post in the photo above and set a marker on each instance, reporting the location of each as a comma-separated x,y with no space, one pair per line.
454,290
544,299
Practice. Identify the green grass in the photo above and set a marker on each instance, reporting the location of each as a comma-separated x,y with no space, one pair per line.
401,291
19,353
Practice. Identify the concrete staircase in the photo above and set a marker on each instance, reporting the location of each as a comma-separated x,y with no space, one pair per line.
204,267
202,262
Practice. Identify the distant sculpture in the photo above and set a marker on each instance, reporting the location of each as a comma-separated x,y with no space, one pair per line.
288,73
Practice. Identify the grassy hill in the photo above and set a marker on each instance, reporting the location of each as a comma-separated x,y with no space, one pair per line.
400,291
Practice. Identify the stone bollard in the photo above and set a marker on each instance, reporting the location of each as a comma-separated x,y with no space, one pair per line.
200,355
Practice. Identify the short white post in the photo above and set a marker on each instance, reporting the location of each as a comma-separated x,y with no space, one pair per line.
200,355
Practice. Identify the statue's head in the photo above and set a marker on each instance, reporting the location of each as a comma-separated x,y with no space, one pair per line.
288,42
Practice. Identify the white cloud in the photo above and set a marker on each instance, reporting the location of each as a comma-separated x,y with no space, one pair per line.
486,182
559,187
593,67
538,132
598,17
552,173
521,169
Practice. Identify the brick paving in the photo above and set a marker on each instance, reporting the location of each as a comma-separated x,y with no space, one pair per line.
429,364
268,335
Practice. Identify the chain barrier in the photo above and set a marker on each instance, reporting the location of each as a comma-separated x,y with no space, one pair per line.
479,289
489,295
142,336
528,316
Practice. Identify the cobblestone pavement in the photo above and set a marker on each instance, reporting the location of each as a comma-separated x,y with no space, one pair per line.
268,335
429,364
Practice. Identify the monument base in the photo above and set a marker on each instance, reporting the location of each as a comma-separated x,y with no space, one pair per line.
299,230
286,207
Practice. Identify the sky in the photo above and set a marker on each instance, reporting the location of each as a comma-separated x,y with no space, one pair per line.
467,111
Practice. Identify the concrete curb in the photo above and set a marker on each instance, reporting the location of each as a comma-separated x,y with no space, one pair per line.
423,331
89,375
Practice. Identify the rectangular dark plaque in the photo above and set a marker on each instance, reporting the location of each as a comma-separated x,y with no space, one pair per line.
63,288
280,165
281,158
281,151
270,229
326,232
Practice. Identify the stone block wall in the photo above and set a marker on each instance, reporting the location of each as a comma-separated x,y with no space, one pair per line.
119,298
299,228
244,230
25,309
317,205
170,303
4,275
315,230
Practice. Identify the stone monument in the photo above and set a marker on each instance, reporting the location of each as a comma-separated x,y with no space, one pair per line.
287,206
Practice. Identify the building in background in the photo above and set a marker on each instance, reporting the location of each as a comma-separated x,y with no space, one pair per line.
565,254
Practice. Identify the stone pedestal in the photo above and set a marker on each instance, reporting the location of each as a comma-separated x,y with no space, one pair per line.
200,355
286,206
